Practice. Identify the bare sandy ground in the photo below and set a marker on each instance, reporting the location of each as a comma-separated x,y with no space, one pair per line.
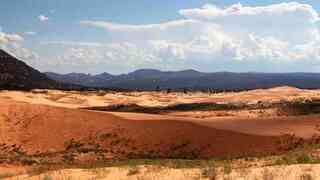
42,121
243,122
160,173
75,99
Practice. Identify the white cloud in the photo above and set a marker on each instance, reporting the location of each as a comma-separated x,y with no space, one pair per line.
9,38
287,21
172,30
70,43
283,10
241,38
43,18
108,26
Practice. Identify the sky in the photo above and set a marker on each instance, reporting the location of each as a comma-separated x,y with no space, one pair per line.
120,36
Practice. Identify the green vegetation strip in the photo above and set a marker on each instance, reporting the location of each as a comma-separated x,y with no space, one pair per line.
156,110
297,107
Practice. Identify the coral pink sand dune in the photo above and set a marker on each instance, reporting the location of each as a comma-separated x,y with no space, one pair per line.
44,128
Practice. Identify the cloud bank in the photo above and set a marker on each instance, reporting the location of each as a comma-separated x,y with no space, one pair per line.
277,37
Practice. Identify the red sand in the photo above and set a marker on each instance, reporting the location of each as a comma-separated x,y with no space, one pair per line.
301,126
43,128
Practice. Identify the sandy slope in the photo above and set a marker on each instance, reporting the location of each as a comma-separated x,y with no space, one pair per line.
302,126
43,128
46,120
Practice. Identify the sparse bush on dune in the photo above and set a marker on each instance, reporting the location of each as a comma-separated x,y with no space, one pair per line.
299,107
300,157
72,144
304,158
289,142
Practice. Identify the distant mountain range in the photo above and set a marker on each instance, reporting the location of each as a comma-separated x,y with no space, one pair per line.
15,74
150,79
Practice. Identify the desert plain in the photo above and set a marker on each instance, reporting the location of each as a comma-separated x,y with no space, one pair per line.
256,134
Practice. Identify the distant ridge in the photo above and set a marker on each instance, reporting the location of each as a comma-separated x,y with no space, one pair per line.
15,74
151,79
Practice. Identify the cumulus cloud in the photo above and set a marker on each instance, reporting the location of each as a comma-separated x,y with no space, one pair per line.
43,18
290,21
303,12
211,38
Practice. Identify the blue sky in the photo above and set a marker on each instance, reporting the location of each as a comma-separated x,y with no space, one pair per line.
123,35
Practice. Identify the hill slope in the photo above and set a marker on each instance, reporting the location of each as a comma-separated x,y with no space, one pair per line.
15,74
